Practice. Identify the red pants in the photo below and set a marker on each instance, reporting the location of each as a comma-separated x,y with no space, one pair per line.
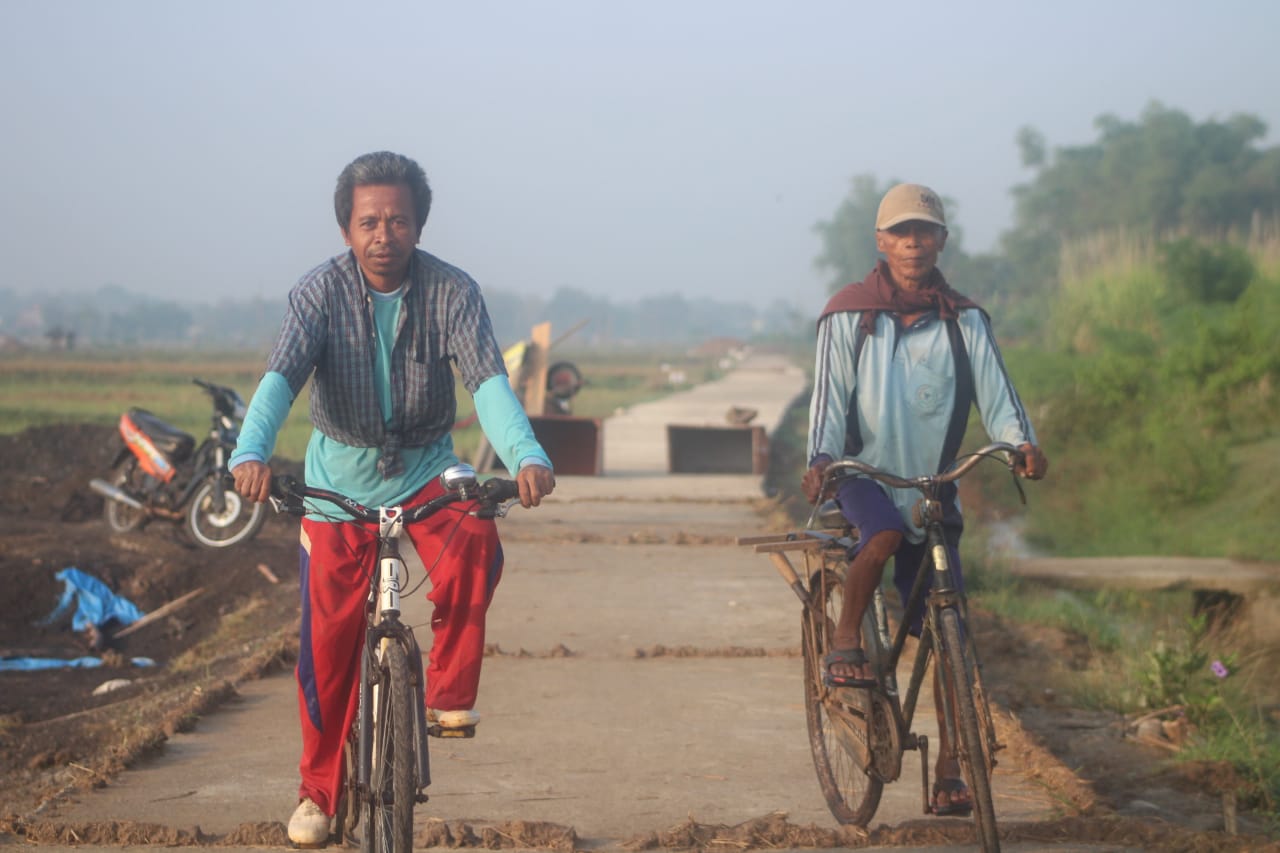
337,559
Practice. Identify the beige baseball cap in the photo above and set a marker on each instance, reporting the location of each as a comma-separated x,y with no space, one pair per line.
906,202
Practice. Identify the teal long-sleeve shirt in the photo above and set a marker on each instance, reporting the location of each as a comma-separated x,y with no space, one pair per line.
353,471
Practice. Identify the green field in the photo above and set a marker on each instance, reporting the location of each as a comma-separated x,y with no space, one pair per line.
87,387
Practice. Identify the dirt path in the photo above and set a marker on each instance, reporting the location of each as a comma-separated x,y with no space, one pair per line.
643,692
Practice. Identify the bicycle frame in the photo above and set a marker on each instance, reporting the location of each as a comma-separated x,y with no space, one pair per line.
391,659
873,725
384,626
935,587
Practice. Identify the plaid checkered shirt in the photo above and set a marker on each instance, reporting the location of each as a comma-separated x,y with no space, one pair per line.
329,329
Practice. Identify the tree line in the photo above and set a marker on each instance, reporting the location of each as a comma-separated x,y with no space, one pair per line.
1160,176
112,316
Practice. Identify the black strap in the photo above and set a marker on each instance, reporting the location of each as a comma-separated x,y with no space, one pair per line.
963,399
852,433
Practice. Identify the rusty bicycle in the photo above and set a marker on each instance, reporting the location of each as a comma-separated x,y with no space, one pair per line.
858,736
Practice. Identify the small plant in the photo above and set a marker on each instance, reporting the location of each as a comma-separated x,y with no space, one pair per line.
1183,673
1228,725
1240,735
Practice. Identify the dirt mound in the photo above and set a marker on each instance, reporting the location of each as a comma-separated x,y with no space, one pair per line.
516,834
126,832
46,470
55,732
774,831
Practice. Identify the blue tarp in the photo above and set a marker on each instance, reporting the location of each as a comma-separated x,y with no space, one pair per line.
29,664
95,603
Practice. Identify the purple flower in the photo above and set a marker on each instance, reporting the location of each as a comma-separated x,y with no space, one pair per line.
1219,669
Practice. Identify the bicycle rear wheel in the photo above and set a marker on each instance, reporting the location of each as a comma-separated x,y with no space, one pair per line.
844,724
970,744
388,812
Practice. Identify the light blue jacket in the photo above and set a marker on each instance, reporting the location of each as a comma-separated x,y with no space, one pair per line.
905,388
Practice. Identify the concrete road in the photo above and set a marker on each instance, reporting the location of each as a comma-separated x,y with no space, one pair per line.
585,724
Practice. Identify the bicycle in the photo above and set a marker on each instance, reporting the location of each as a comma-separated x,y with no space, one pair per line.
387,761
858,736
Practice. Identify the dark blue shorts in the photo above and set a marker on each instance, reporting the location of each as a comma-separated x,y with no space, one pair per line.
868,508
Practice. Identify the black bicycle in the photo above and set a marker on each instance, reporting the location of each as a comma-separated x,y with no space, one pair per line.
858,735
387,762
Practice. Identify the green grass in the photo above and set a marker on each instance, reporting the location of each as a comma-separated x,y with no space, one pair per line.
1147,653
1116,516
615,380
47,388
99,387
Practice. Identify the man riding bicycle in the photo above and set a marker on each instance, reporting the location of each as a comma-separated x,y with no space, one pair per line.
901,356
379,330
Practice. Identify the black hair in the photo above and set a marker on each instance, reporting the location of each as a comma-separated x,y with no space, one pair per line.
381,168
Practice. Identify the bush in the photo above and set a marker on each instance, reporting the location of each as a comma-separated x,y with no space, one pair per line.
1205,274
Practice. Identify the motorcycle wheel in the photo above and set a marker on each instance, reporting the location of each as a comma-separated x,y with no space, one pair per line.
123,518
239,520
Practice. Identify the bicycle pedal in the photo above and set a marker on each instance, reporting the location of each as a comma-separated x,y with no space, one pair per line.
452,731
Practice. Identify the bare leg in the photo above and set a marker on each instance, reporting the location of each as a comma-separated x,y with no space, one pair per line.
864,576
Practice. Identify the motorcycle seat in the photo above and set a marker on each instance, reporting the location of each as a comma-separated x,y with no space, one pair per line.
168,439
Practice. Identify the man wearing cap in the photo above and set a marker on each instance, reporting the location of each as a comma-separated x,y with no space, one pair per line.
901,356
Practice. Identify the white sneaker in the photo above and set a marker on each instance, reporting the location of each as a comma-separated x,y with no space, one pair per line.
448,721
309,826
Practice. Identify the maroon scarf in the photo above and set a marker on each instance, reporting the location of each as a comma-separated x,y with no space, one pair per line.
877,293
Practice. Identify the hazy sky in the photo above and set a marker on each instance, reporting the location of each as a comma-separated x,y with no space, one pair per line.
621,148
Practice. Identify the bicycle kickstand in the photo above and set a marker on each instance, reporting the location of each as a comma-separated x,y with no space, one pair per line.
923,741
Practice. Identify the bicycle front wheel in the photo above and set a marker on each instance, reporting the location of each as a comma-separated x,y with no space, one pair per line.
970,745
392,782
842,722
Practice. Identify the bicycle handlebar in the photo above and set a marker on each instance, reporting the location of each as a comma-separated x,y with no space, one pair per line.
962,466
289,496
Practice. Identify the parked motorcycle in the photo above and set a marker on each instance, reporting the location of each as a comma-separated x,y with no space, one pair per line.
161,473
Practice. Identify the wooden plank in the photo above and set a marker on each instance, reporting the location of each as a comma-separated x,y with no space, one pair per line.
804,540
784,567
798,545
536,361
164,610
768,537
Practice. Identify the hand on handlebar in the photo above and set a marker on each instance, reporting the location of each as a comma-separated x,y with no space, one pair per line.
536,482
1032,464
253,480
811,483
